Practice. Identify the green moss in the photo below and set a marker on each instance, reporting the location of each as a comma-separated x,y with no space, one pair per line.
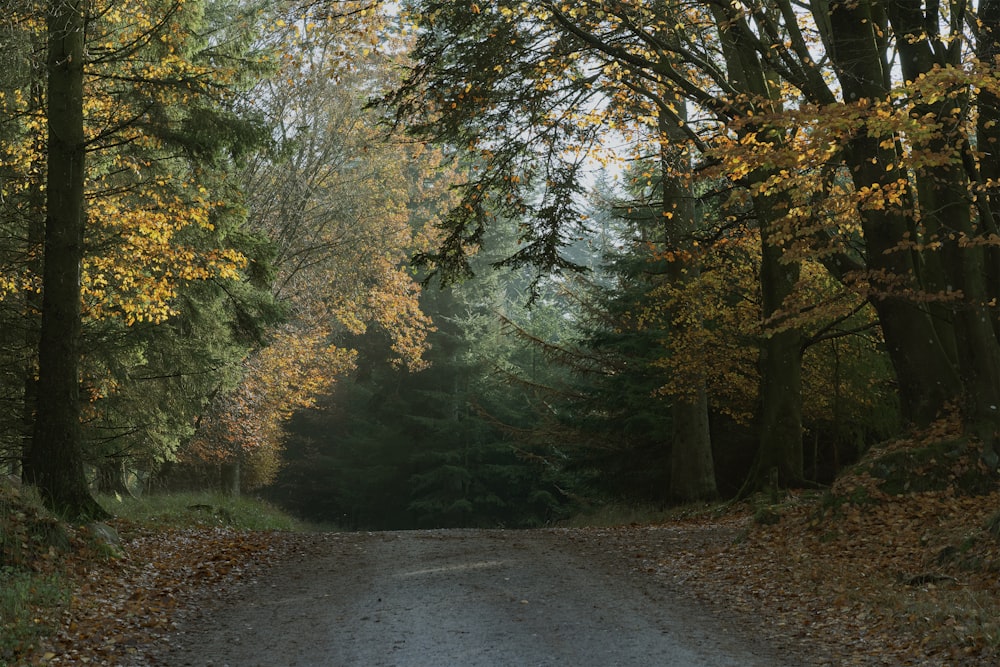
935,467
201,509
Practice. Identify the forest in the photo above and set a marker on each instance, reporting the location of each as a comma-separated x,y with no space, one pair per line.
477,264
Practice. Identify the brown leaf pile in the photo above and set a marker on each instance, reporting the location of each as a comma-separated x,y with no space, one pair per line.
901,580
122,604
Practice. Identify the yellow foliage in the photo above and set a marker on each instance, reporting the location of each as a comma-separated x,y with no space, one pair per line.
136,206
344,230
713,326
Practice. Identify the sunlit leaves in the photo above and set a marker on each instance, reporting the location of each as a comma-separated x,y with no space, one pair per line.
141,72
138,277
246,424
344,206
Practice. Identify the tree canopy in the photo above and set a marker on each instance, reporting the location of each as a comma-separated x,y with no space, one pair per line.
771,227
797,122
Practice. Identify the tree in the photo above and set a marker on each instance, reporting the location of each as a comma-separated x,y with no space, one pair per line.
343,206
129,232
664,219
23,216
860,175
245,423
55,461
692,470
611,415
937,197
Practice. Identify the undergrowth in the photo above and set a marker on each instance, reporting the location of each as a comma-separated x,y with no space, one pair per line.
907,540
31,541
21,592
38,553
186,510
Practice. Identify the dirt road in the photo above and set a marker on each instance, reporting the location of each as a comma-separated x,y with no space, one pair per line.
459,598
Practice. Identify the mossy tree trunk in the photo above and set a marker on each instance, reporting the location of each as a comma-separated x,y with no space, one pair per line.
55,461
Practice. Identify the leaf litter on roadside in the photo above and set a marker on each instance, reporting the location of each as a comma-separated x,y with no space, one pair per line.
866,577
121,605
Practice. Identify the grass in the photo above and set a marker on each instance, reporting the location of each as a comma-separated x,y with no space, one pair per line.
28,583
201,509
612,514
34,583
21,593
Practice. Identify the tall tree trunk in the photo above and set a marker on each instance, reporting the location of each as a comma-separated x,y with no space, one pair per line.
55,462
925,370
780,457
692,467
988,137
988,140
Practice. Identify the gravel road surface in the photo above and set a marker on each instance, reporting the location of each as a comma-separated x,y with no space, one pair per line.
462,598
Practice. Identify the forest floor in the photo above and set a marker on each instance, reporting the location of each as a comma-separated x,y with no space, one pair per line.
868,588
853,576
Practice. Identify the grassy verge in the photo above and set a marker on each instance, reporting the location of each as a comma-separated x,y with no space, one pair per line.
30,581
181,510
21,594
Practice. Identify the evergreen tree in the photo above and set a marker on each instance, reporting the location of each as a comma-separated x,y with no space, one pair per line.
144,166
396,449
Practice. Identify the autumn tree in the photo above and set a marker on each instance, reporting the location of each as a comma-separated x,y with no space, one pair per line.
344,207
146,227
876,175
931,170
642,338
205,298
914,189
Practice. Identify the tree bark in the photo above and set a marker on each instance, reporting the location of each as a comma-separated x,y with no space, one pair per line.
55,462
988,140
780,457
780,362
928,379
958,270
692,466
